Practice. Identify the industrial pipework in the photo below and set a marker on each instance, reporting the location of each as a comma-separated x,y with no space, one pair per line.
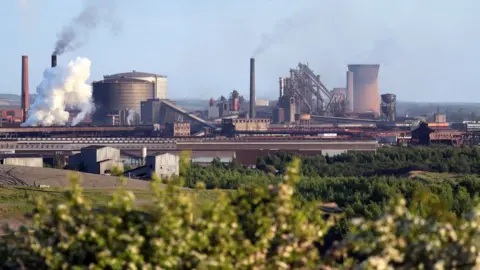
54,60
25,87
252,111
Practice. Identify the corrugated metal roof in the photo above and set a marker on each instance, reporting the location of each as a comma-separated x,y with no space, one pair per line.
133,74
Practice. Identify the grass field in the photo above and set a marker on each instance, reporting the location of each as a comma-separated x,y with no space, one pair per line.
17,201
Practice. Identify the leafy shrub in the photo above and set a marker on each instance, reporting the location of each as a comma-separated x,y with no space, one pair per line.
254,228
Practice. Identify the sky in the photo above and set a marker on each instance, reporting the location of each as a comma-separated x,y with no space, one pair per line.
428,50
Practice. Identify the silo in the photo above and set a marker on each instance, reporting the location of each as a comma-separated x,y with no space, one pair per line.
365,88
349,91
389,107
159,82
114,95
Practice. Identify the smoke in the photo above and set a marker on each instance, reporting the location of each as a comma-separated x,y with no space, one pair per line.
62,88
77,33
132,114
280,31
24,4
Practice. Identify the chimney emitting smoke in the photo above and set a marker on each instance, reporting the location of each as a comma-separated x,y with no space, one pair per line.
25,87
252,111
54,60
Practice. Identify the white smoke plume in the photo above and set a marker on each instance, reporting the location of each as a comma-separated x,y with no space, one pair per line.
131,117
62,88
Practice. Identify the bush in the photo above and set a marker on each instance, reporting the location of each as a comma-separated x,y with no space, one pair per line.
254,228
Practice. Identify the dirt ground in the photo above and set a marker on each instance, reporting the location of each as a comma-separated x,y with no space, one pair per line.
30,176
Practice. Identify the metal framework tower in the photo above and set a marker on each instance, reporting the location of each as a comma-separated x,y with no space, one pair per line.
310,94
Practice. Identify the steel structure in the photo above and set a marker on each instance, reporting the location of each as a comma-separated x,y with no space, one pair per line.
310,94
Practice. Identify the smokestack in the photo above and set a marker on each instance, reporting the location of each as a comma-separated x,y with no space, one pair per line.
350,91
252,111
25,90
54,60
365,87
280,94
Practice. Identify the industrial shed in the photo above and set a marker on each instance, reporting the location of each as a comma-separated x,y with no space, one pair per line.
163,165
28,160
96,159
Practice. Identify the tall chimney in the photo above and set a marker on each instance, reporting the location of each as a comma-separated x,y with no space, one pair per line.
280,94
252,88
54,60
25,90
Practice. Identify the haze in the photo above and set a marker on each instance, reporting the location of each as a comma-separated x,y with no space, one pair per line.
428,50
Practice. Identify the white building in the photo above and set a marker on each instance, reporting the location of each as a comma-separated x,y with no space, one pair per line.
159,81
28,160
163,165
262,102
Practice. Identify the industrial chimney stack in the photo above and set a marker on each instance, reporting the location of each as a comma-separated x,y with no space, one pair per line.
54,60
252,111
25,87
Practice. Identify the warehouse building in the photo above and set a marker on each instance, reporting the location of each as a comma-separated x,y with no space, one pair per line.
29,160
163,165
96,159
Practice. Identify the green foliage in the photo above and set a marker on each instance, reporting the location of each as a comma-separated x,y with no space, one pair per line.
116,171
403,240
257,227
386,161
254,228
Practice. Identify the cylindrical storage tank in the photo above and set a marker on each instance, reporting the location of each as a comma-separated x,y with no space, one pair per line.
365,88
349,92
113,95
159,82
389,98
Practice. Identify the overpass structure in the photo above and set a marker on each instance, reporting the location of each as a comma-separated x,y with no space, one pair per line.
266,143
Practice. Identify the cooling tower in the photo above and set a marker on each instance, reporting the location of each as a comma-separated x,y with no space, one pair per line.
365,88
25,87
349,92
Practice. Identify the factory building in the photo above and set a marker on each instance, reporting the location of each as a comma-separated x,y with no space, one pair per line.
366,97
159,82
28,160
14,115
177,129
163,165
113,95
96,159
150,111
230,126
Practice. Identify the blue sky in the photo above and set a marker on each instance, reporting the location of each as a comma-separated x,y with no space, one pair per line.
428,50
